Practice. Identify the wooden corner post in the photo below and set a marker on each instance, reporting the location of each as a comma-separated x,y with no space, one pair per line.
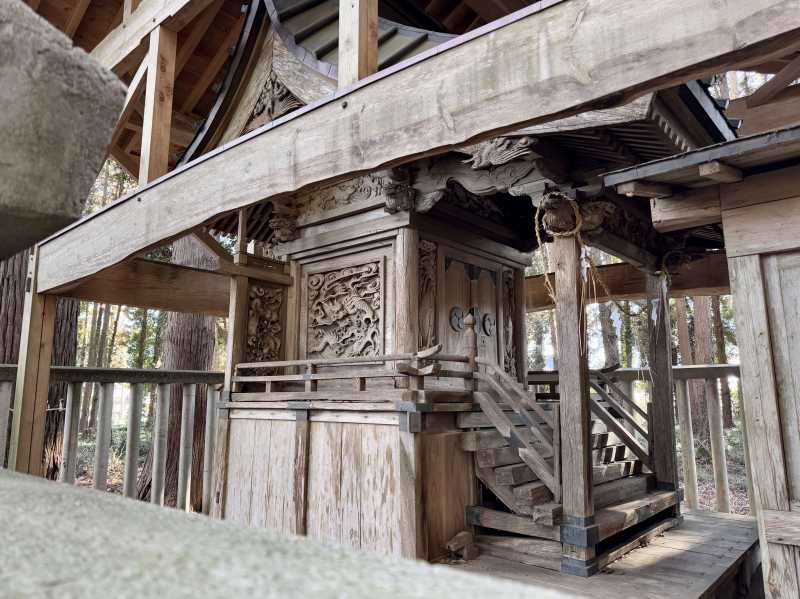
358,40
33,377
661,435
579,533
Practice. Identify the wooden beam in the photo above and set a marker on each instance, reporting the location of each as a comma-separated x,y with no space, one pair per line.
199,27
26,450
779,81
128,8
204,237
75,17
783,111
150,284
358,40
523,58
112,51
691,209
720,172
157,120
643,189
707,276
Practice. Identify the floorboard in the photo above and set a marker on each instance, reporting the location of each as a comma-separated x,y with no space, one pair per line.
687,562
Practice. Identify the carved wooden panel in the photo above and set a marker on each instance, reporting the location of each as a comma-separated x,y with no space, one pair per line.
345,312
264,323
427,293
509,310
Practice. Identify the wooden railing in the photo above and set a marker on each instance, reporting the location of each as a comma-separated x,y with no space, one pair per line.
614,387
107,379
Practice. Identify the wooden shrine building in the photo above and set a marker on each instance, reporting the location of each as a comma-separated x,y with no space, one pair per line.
385,180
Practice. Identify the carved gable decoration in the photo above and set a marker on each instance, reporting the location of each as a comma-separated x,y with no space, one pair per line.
273,102
345,312
264,328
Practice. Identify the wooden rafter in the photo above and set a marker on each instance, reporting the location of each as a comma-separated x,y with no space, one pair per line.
211,71
75,17
475,100
774,86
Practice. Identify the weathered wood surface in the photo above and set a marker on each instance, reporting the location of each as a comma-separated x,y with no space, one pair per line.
523,60
358,40
69,445
150,284
157,117
576,468
769,459
707,276
130,35
132,440
688,459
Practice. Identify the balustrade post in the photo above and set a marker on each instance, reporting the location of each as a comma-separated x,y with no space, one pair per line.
160,426
472,351
69,445
132,443
185,455
103,438
6,393
751,495
212,396
311,385
723,500
687,443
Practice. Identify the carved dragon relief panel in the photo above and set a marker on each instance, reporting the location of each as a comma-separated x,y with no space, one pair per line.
345,312
427,293
509,308
264,323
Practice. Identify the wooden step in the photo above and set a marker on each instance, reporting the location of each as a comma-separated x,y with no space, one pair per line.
620,490
504,493
528,495
505,456
607,472
522,525
491,439
533,552
481,420
618,517
514,474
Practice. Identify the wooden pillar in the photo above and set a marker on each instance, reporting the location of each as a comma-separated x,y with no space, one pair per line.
6,393
578,530
662,434
358,40
103,439
132,442
760,366
212,397
185,449
717,438
406,265
302,429
69,445
160,429
687,444
33,377
157,119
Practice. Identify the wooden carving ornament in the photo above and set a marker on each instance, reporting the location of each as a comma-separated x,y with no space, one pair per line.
264,328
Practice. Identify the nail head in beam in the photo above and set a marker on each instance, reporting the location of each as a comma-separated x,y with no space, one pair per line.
160,426
641,189
132,441
69,447
187,435
719,171
103,438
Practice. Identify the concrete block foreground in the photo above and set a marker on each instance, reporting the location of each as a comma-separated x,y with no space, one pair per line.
62,541
58,109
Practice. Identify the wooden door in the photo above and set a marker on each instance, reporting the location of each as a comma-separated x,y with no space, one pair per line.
469,285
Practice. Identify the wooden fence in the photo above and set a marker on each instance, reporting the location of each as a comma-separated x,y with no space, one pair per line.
710,374
107,379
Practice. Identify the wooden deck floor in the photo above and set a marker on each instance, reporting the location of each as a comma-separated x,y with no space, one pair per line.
708,555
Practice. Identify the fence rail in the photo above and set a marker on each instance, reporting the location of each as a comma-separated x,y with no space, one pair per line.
107,379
